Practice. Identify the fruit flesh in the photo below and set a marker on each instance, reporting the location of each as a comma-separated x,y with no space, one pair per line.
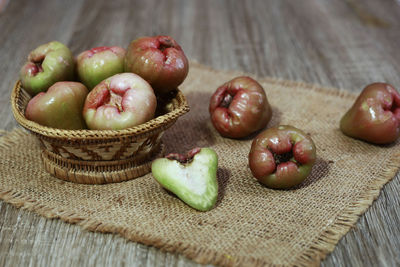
194,181
282,157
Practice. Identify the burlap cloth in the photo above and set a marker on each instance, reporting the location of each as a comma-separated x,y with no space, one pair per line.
250,225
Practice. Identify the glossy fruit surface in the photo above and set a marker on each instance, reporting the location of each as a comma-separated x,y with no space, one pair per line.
97,64
159,60
47,64
239,107
375,115
282,157
121,101
60,107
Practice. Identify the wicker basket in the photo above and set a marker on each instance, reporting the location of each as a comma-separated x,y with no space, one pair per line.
101,156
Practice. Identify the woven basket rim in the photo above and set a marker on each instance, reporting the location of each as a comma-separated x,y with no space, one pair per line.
85,134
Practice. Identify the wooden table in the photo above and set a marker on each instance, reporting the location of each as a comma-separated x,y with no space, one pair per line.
345,44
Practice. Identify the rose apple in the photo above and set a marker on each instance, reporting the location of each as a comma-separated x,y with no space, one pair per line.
60,107
121,101
375,115
282,157
99,63
191,177
159,60
47,64
239,107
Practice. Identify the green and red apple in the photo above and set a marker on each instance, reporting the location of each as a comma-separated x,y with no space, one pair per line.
97,64
120,101
47,64
159,60
60,107
191,177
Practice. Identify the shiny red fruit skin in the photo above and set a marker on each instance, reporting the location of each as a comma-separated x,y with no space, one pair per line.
239,107
282,157
159,60
374,116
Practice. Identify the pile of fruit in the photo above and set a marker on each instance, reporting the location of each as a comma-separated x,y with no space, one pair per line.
117,89
123,89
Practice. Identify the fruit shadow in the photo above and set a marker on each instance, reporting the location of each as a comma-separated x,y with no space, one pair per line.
193,129
223,177
319,171
275,121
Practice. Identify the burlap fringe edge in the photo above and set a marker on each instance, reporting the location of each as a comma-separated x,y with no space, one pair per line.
321,246
202,256
328,239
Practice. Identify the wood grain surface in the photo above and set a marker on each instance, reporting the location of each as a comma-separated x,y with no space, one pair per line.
345,44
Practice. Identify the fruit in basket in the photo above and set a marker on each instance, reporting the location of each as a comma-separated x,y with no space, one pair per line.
121,101
282,157
191,177
47,64
239,107
59,107
159,60
375,115
99,63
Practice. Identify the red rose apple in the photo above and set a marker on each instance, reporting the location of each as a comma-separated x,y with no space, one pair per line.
375,116
99,63
121,101
159,60
60,107
282,157
239,108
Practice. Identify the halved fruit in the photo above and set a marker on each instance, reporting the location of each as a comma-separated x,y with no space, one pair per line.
191,177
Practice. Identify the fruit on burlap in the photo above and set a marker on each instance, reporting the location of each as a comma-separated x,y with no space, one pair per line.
239,107
121,101
191,177
159,60
375,115
59,107
47,64
282,157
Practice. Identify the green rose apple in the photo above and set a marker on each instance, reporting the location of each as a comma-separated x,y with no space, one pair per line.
47,64
191,177
60,107
97,64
